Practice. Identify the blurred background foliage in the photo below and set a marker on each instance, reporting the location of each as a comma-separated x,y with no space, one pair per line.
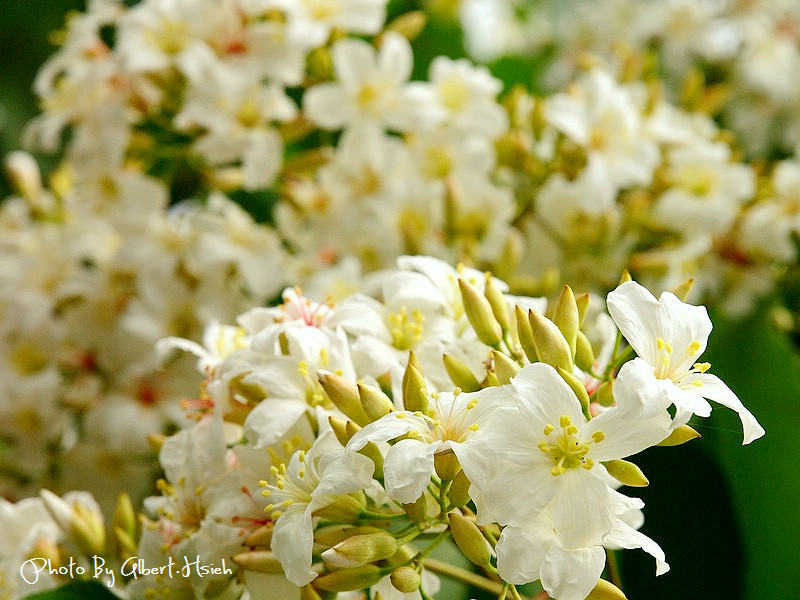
728,517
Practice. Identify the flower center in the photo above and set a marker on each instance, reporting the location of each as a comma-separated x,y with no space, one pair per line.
406,329
564,447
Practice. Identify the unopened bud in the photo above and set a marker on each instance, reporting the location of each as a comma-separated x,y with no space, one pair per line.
345,580
88,530
566,316
360,550
260,561
405,579
582,302
458,494
551,347
125,545
606,591
125,515
584,353
307,592
339,427
605,394
626,473
417,511
680,435
409,24
320,64
345,509
683,290
446,464
415,394
525,334
460,374
626,276
497,301
504,367
375,403
479,313
331,535
469,539
344,395
372,452
261,536
576,385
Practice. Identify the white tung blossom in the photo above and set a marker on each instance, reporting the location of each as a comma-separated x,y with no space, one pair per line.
669,336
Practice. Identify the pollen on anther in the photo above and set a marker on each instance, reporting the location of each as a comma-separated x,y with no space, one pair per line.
262,483
473,427
598,436
565,421
548,429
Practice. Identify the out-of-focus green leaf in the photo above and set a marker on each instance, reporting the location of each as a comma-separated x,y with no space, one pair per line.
76,590
762,367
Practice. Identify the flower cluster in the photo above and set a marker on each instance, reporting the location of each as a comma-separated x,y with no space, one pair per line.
336,444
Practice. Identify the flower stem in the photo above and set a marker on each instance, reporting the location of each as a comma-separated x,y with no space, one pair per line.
443,568
613,568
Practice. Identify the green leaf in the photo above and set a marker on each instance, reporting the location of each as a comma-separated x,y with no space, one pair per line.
761,366
76,590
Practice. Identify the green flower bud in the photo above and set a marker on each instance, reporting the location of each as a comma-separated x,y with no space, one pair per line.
261,536
88,530
460,374
446,464
626,473
566,316
605,394
479,314
375,403
584,353
683,290
125,516
417,511
409,24
458,494
124,543
344,395
582,302
606,591
345,580
576,385
339,427
551,346
415,394
525,334
504,367
405,579
372,452
680,435
469,539
333,534
260,561
345,509
360,550
497,301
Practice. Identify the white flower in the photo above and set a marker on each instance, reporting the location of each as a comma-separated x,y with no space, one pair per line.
370,87
311,481
669,336
535,551
409,463
541,450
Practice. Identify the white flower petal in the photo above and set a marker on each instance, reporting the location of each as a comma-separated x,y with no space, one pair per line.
714,389
572,574
625,436
640,317
624,536
271,419
386,428
292,543
581,511
522,550
408,468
